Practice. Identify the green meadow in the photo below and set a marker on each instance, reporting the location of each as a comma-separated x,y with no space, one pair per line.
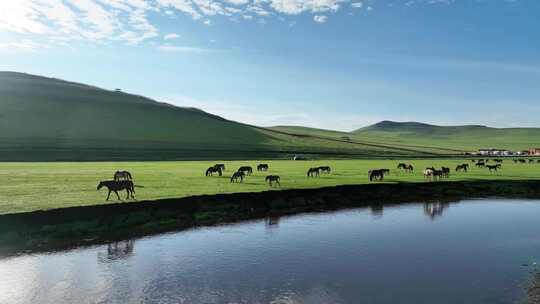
39,186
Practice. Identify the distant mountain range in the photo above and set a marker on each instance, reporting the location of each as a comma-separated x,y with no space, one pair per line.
51,119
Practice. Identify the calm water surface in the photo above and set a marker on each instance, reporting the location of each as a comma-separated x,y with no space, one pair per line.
470,252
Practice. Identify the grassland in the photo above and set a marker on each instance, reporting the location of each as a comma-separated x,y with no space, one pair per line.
40,186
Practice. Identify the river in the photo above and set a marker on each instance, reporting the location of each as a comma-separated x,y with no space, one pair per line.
476,251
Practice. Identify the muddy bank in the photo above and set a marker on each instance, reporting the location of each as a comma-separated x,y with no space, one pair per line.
533,292
63,228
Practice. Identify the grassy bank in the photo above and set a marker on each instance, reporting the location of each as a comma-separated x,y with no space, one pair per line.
26,187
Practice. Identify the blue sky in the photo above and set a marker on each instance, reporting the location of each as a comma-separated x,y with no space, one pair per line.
320,63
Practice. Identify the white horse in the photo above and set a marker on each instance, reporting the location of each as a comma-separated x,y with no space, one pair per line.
428,174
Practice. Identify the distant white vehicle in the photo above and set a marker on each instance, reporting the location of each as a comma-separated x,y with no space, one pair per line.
299,157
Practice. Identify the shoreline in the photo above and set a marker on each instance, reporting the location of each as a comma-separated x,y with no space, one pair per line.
65,228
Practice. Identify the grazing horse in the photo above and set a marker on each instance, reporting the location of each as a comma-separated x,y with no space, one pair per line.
272,179
406,167
480,164
428,174
494,167
433,174
462,167
445,172
238,175
325,169
246,169
262,167
515,161
376,174
522,161
313,172
438,174
122,175
221,166
214,169
115,186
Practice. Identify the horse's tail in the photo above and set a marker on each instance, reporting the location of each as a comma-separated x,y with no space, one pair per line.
129,175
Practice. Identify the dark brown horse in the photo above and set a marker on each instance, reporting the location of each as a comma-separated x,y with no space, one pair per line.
445,172
313,172
214,169
238,175
273,179
480,165
221,166
262,167
377,174
462,167
493,167
115,186
246,169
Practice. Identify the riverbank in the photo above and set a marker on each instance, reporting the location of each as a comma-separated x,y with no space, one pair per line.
87,225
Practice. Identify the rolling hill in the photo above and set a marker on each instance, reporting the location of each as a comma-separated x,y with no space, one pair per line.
51,119
437,139
467,137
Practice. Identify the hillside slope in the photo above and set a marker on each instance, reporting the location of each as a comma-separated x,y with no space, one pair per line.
50,119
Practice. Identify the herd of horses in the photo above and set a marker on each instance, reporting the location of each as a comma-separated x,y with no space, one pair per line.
242,172
123,180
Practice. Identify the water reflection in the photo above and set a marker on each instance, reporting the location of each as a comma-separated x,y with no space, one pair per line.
377,210
272,222
435,209
335,257
117,251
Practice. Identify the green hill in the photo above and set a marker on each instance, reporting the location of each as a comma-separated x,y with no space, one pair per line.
436,139
50,119
467,137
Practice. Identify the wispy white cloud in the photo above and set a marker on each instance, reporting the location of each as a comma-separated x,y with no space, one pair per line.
294,7
171,36
129,21
320,18
92,20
